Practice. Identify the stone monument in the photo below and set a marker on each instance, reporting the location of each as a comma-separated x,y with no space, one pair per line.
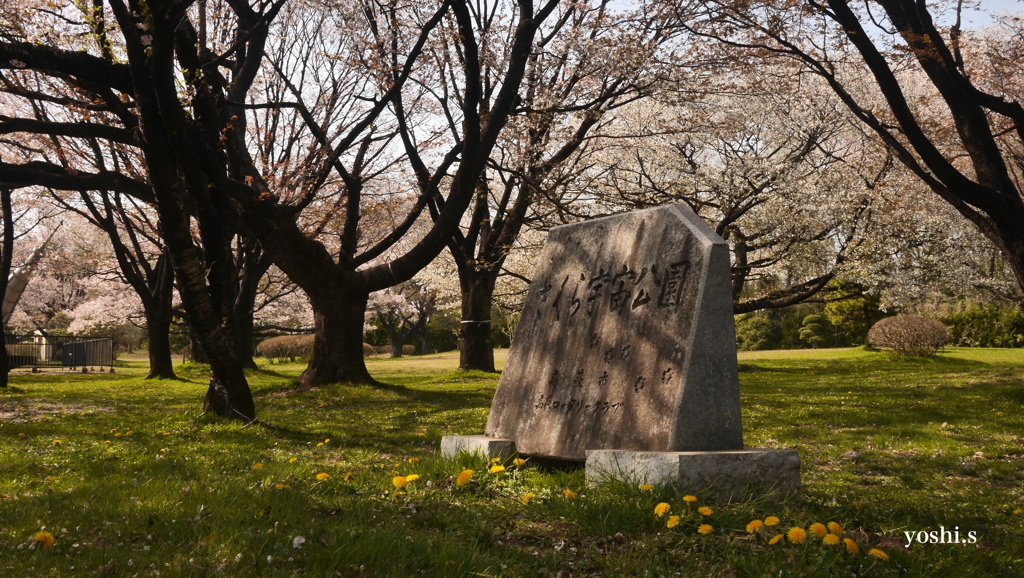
625,356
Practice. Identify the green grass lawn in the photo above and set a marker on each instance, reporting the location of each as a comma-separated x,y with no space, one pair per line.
130,477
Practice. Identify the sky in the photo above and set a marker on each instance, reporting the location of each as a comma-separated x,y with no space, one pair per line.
983,16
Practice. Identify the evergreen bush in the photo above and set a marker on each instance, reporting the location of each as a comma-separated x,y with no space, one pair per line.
987,326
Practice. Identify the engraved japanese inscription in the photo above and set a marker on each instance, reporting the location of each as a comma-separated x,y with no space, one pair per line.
626,341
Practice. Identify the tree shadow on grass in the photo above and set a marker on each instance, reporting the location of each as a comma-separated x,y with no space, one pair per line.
1015,394
361,420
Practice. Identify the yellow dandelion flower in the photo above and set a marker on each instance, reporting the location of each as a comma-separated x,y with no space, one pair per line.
56,442
21,435
819,529
128,433
673,521
771,521
835,528
518,462
323,476
320,444
399,481
705,529
348,476
43,538
797,535
413,460
257,466
293,460
495,460
689,498
464,477
646,487
851,547
661,509
705,511
1018,511
775,539
118,434
569,493
496,469
830,539
527,497
755,526
412,478
878,554
281,486
327,441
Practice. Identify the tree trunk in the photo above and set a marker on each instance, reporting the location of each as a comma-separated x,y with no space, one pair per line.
254,264
425,346
158,302
6,254
228,394
158,329
1009,237
198,353
243,324
475,349
397,342
338,317
5,361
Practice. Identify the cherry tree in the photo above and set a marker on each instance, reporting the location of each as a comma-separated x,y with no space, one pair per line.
22,217
913,55
589,61
781,173
921,254
76,263
281,306
358,180
403,312
143,265
90,79
181,83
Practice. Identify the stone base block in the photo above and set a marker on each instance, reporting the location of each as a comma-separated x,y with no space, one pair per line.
721,476
487,447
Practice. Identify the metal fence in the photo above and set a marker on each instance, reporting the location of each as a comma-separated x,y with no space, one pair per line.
63,351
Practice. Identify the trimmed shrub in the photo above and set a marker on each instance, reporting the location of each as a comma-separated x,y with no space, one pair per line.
909,335
290,347
368,350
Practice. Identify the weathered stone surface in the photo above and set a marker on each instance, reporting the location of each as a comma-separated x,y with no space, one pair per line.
487,447
626,341
727,475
